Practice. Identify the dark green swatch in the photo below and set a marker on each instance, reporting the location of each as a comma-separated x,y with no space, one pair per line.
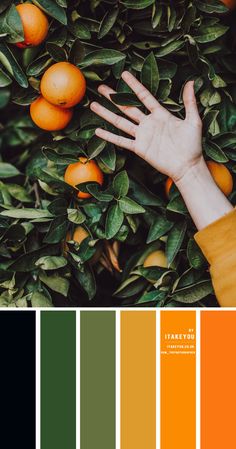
58,380
97,380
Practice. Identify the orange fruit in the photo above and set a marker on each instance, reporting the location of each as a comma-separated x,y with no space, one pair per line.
156,259
83,171
48,116
80,234
63,84
222,176
168,185
35,25
229,3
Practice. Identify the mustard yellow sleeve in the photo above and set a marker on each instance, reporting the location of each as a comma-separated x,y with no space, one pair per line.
218,244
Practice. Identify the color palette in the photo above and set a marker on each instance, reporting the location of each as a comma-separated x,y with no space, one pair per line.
124,379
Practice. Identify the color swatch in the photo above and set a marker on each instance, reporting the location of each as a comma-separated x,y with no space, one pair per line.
58,380
17,379
178,380
97,380
138,380
218,375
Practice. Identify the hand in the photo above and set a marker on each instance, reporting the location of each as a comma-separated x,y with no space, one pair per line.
169,144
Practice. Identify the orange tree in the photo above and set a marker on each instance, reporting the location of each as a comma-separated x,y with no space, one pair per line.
58,248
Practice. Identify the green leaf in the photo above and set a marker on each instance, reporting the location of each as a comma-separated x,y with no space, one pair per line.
156,296
177,205
102,57
51,262
208,33
108,157
150,74
38,299
121,184
11,24
114,220
57,230
10,63
175,240
107,22
87,280
26,262
99,194
8,170
195,256
56,283
193,293
212,6
19,193
52,9
129,206
26,213
125,99
143,195
5,80
169,48
76,216
137,4
95,147
56,52
130,287
161,226
214,152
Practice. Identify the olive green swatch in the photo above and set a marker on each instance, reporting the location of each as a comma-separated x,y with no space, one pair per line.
58,380
97,379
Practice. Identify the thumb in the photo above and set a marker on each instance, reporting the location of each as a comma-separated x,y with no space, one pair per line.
191,109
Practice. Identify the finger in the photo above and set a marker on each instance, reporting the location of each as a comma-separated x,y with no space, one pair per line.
131,111
190,103
116,120
122,142
142,93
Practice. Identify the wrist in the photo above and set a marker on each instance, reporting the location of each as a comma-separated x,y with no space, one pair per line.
196,174
205,201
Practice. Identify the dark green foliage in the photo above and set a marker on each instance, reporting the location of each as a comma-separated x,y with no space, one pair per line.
164,43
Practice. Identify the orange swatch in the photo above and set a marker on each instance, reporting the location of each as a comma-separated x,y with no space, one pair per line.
178,380
138,380
218,377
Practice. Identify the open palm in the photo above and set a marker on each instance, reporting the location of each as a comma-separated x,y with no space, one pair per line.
169,144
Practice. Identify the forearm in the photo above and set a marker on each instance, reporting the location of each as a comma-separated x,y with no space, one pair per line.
204,200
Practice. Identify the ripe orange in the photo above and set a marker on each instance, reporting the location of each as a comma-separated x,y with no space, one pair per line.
222,176
80,234
48,116
35,25
63,84
83,171
156,259
168,185
229,3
